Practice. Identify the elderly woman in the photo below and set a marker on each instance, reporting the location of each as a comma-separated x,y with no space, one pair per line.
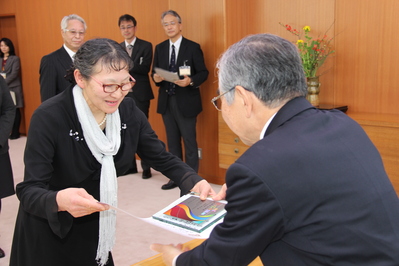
78,143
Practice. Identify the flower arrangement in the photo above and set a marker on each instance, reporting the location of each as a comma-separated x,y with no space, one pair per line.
313,52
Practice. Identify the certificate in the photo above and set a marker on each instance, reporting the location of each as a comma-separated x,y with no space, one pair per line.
167,75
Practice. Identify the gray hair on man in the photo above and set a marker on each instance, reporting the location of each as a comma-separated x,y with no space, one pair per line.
64,21
172,13
265,64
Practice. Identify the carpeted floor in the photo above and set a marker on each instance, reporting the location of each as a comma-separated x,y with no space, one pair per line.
136,195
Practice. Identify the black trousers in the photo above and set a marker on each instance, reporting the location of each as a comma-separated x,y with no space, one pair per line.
17,123
144,106
181,129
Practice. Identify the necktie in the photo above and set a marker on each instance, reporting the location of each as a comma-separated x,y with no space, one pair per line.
129,49
172,68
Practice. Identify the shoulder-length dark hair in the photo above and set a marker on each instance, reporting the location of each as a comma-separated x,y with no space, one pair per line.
10,45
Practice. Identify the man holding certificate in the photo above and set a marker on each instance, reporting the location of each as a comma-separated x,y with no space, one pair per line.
179,102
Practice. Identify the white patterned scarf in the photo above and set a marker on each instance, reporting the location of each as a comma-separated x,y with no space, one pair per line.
103,147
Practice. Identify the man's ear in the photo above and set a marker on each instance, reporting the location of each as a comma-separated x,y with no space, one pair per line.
79,78
246,99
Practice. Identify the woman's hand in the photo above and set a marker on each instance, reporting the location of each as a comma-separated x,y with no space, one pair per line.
78,202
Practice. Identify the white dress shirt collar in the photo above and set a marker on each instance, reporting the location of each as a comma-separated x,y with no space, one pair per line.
262,133
132,43
70,52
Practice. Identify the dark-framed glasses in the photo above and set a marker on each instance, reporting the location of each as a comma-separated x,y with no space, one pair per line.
127,27
110,88
216,100
74,32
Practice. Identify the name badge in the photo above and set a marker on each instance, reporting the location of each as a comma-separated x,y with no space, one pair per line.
185,70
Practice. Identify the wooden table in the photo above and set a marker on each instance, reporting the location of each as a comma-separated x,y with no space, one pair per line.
156,260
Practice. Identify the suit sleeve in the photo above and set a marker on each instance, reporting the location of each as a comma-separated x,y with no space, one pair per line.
153,152
48,78
142,64
156,64
200,70
254,219
13,74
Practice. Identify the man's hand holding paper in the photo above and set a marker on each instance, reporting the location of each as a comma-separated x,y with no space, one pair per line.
167,75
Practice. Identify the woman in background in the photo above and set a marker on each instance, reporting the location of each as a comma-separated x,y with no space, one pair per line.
10,70
7,112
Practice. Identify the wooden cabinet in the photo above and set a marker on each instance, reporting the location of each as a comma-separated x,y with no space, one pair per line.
230,145
383,130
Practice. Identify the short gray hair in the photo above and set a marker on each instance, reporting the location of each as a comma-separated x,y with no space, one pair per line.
265,64
64,21
172,13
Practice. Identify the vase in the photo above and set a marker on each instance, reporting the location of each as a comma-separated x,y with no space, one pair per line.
313,90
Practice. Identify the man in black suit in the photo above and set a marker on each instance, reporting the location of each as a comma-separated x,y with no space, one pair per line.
141,53
54,66
311,189
179,102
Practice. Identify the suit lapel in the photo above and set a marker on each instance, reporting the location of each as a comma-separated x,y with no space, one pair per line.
182,52
164,55
64,59
136,49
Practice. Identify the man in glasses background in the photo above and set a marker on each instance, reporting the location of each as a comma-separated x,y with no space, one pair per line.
53,67
140,51
180,102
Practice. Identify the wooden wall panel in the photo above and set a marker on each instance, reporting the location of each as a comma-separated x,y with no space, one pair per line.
7,7
260,16
367,55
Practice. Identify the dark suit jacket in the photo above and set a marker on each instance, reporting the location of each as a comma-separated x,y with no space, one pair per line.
53,68
313,191
142,59
188,98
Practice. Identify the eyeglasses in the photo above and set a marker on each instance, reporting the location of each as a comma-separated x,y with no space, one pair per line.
216,100
127,27
110,88
74,32
169,23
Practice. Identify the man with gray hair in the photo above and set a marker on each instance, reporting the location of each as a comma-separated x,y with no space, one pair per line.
54,66
311,189
179,102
